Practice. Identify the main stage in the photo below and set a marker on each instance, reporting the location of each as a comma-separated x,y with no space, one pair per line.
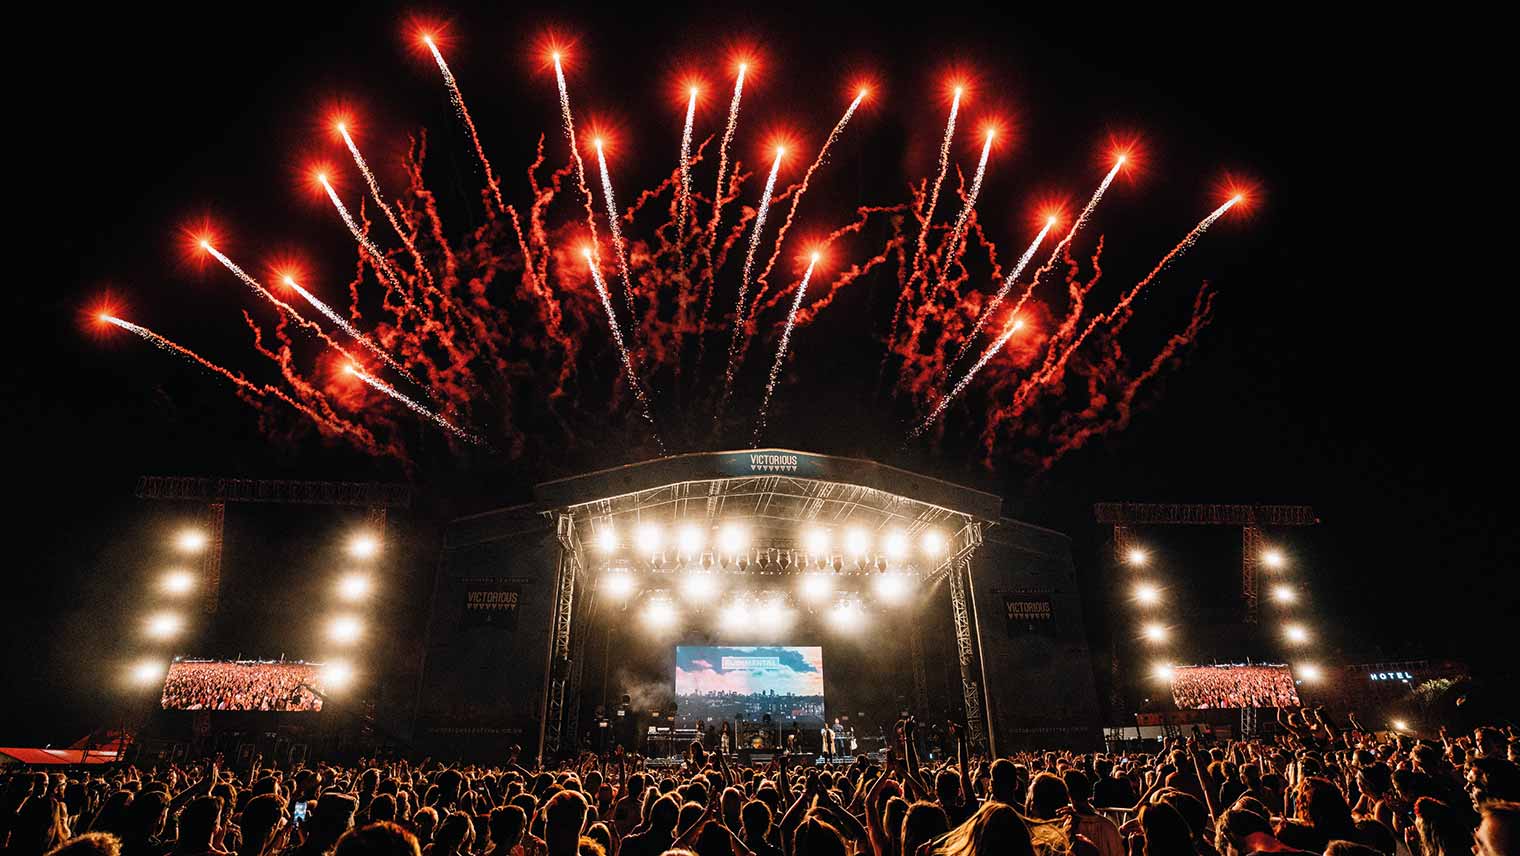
554,625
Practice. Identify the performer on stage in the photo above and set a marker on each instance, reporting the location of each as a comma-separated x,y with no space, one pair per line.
828,740
725,738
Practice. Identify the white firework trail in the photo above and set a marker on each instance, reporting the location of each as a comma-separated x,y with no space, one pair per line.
741,311
377,257
457,99
381,386
568,120
786,339
958,231
939,180
342,324
374,192
944,402
1055,253
1008,281
617,336
683,205
728,140
616,229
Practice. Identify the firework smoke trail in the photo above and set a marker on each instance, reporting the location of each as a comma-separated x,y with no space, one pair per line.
955,391
377,257
741,310
374,191
786,225
786,338
341,323
617,336
1055,253
382,386
617,233
464,114
683,205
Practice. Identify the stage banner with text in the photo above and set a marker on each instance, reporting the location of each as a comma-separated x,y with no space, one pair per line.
492,602
1028,612
774,461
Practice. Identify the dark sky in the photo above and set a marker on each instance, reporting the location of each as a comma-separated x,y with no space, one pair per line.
1361,360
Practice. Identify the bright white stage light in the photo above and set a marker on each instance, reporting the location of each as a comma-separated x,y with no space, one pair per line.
648,538
846,616
1147,594
698,586
816,587
933,543
337,675
363,546
1274,559
816,541
1137,557
772,615
1296,633
606,540
191,541
689,539
733,538
344,629
177,582
735,618
147,672
856,541
1400,725
1309,672
659,614
895,545
1154,632
1162,671
354,587
618,584
1284,594
165,625
891,588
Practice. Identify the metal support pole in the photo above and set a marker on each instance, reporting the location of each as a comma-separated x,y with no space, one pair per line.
211,562
1251,545
965,650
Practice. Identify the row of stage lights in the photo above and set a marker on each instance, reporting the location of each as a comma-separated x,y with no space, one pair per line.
164,625
1147,595
731,545
700,588
763,615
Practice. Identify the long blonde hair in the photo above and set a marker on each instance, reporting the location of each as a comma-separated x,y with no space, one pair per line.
995,828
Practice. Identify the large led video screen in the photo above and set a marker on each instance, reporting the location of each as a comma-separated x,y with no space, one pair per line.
748,682
1200,687
242,685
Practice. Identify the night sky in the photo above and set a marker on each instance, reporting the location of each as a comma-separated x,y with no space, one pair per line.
1361,360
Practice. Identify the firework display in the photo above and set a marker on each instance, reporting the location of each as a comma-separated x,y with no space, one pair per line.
470,329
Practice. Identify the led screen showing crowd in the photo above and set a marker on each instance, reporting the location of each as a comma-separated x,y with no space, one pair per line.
1233,686
242,685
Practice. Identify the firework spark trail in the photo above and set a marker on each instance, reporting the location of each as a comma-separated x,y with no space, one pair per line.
939,180
997,300
1008,281
723,148
385,208
242,383
955,391
381,386
958,231
683,205
568,120
786,338
279,304
376,257
614,227
617,336
342,324
457,99
786,225
741,309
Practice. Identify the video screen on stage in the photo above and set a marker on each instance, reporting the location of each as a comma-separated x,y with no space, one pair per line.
242,685
1201,687
717,683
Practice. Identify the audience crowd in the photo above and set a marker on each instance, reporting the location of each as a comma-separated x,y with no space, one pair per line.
1316,787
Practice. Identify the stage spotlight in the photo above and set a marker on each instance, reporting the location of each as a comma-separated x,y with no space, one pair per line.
177,582
353,586
1296,633
619,584
1309,672
856,541
1284,594
606,540
895,545
337,675
1147,594
659,614
816,541
698,587
735,618
147,672
363,546
846,616
1154,632
1137,557
892,588
1400,725
344,629
191,541
1162,672
689,539
648,538
165,625
816,587
1274,559
733,538
773,615
933,543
